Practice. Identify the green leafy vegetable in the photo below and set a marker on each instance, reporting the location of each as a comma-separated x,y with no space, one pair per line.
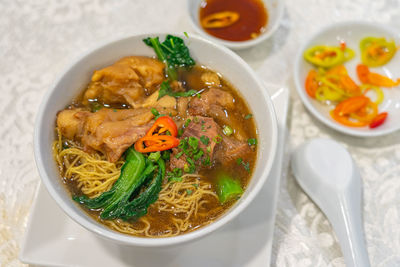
129,178
126,199
173,52
228,188
138,206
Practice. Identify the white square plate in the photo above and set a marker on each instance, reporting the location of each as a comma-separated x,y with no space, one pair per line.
53,239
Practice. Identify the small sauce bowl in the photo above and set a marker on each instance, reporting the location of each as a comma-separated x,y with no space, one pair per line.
274,11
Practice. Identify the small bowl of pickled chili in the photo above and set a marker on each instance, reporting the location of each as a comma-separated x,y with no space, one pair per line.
236,24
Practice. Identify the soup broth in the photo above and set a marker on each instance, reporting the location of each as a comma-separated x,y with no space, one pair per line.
252,20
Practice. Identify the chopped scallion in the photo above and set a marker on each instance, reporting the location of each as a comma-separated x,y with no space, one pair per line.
204,139
155,112
154,156
227,130
248,116
252,141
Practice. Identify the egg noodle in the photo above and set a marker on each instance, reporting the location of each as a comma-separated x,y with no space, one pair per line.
93,175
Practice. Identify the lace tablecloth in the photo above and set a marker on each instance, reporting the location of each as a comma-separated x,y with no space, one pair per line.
38,39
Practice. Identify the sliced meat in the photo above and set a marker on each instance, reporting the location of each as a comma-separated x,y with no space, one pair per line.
182,106
126,81
109,131
211,97
198,127
219,105
231,149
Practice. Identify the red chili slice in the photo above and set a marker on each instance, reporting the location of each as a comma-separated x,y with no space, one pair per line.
378,120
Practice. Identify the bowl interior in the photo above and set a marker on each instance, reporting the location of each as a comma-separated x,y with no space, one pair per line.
352,33
274,12
76,78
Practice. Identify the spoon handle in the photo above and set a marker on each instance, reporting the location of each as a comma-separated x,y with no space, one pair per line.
349,229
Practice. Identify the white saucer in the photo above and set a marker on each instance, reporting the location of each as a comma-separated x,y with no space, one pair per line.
53,239
352,33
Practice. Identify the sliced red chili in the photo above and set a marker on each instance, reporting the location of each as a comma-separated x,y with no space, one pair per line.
373,78
351,105
311,83
156,143
162,125
378,120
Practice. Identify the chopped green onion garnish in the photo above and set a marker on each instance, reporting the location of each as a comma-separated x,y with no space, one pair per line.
187,122
186,168
193,142
155,112
165,155
227,130
252,141
248,116
179,155
206,161
204,139
217,139
198,155
175,179
246,166
154,156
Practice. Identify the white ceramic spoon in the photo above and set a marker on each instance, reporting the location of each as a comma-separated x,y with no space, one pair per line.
328,174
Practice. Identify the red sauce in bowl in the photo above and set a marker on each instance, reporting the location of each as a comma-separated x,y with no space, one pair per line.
251,23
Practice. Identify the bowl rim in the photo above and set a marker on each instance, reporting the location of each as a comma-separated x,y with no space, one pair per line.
300,84
238,45
125,239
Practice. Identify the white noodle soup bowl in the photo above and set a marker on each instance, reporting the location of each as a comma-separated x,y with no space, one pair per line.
76,77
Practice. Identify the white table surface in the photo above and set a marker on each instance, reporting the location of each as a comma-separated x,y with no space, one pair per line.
38,38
